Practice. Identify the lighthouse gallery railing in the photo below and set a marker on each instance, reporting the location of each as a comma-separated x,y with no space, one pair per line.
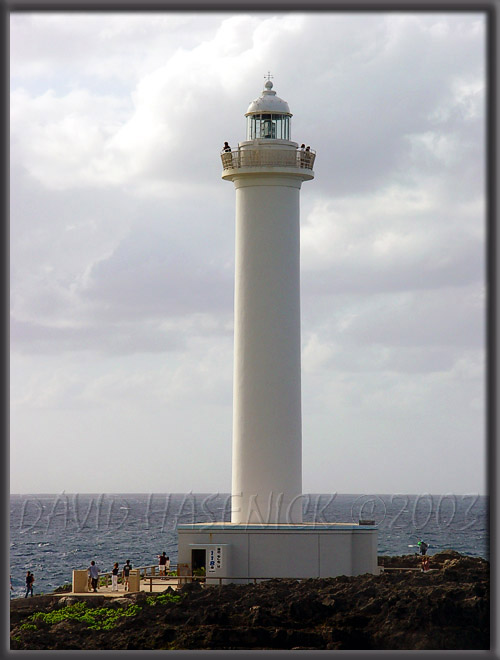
267,158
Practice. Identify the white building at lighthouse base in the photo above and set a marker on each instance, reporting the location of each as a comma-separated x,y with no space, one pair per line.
231,552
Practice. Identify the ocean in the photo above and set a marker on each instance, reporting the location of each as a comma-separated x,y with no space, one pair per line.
51,535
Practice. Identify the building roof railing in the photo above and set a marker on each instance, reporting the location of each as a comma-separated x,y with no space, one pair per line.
267,158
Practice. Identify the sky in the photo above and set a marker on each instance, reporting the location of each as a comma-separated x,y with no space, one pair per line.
122,246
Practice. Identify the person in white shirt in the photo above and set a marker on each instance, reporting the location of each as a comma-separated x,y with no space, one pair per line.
93,572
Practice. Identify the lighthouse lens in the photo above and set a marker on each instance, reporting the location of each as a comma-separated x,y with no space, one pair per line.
268,126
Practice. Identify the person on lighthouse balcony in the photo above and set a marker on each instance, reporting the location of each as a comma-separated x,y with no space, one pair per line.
302,154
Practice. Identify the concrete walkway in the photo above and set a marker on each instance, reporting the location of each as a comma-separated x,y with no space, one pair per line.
158,587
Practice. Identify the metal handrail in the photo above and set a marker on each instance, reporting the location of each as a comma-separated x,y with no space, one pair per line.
183,579
213,579
172,569
268,158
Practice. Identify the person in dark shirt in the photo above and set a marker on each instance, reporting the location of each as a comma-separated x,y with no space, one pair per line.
114,577
30,578
423,547
162,560
126,573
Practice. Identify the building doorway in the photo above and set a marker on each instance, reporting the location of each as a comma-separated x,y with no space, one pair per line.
198,561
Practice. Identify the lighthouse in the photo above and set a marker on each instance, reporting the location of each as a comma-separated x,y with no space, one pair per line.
267,537
267,170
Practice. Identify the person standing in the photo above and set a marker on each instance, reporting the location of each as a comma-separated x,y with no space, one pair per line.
126,573
301,154
162,560
423,547
93,572
114,577
30,578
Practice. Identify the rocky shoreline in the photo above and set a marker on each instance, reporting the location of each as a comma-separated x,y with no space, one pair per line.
446,608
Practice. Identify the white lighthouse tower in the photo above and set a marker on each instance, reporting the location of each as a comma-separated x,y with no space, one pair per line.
267,537
267,170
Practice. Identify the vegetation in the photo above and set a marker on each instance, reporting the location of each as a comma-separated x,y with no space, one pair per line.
163,599
200,572
101,618
28,626
96,618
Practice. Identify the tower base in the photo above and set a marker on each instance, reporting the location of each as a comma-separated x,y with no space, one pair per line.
231,552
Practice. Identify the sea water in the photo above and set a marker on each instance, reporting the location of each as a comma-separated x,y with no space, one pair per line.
51,535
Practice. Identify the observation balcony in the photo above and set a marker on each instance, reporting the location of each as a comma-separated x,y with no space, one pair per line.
267,158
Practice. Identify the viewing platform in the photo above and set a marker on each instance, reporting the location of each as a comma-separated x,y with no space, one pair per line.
243,158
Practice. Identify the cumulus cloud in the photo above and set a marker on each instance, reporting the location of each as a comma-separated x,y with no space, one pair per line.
167,129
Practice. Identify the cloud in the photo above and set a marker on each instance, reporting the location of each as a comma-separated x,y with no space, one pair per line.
110,338
380,91
62,141
87,263
397,239
157,134
122,235
100,50
449,317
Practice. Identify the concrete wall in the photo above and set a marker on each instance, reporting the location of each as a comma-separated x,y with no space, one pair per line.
364,552
336,553
80,581
282,555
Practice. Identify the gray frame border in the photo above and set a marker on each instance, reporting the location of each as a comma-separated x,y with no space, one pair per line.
489,7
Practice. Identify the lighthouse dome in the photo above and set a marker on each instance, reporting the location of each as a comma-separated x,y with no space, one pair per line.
268,116
268,102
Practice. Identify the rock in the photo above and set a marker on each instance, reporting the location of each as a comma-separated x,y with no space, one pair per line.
63,588
442,555
328,601
445,609
122,602
68,600
138,596
190,587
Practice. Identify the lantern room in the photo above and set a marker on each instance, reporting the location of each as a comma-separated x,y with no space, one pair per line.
268,117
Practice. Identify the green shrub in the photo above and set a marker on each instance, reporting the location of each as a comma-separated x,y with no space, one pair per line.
132,610
163,599
27,626
99,618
